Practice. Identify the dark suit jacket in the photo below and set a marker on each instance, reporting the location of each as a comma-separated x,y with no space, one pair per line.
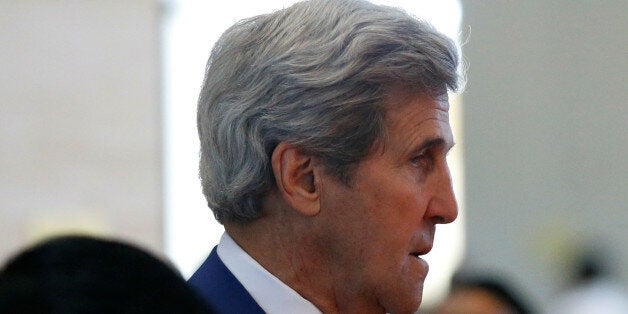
220,289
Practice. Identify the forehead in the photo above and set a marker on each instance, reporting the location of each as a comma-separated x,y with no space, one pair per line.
412,120
417,114
398,97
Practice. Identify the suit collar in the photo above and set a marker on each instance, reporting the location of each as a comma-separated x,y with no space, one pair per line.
220,289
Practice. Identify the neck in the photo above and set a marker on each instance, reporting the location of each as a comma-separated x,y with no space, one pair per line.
288,245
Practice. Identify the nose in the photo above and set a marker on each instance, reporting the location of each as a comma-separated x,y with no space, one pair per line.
442,207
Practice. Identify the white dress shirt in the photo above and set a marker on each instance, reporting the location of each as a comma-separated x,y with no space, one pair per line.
270,293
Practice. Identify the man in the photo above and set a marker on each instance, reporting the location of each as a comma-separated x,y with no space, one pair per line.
324,132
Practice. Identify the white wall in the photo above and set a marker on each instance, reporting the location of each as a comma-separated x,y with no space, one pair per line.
79,120
545,135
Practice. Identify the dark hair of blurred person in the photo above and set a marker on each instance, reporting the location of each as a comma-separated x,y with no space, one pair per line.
81,274
486,294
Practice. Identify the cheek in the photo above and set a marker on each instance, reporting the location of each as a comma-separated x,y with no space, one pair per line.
400,205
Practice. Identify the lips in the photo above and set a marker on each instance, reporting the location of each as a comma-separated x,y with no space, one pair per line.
424,267
422,250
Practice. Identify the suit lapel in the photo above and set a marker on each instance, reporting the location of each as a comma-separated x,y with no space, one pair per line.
220,289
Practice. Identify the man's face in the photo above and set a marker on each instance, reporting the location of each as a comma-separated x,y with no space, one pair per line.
386,216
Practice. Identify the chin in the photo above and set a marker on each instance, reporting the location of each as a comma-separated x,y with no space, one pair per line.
405,309
405,302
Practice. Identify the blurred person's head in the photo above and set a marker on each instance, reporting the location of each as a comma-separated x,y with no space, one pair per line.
589,262
482,294
80,274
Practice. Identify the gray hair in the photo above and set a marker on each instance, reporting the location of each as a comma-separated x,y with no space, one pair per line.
312,75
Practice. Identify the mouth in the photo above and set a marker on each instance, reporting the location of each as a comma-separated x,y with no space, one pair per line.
424,267
421,251
418,256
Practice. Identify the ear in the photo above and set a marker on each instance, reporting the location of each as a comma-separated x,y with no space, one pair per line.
295,174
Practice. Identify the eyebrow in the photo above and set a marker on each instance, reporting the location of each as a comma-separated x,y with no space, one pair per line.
434,142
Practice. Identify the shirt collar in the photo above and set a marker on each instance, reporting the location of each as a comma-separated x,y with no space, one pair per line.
270,293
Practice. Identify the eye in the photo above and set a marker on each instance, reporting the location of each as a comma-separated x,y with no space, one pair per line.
424,160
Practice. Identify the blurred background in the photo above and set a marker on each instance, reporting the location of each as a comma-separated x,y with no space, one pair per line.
97,130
